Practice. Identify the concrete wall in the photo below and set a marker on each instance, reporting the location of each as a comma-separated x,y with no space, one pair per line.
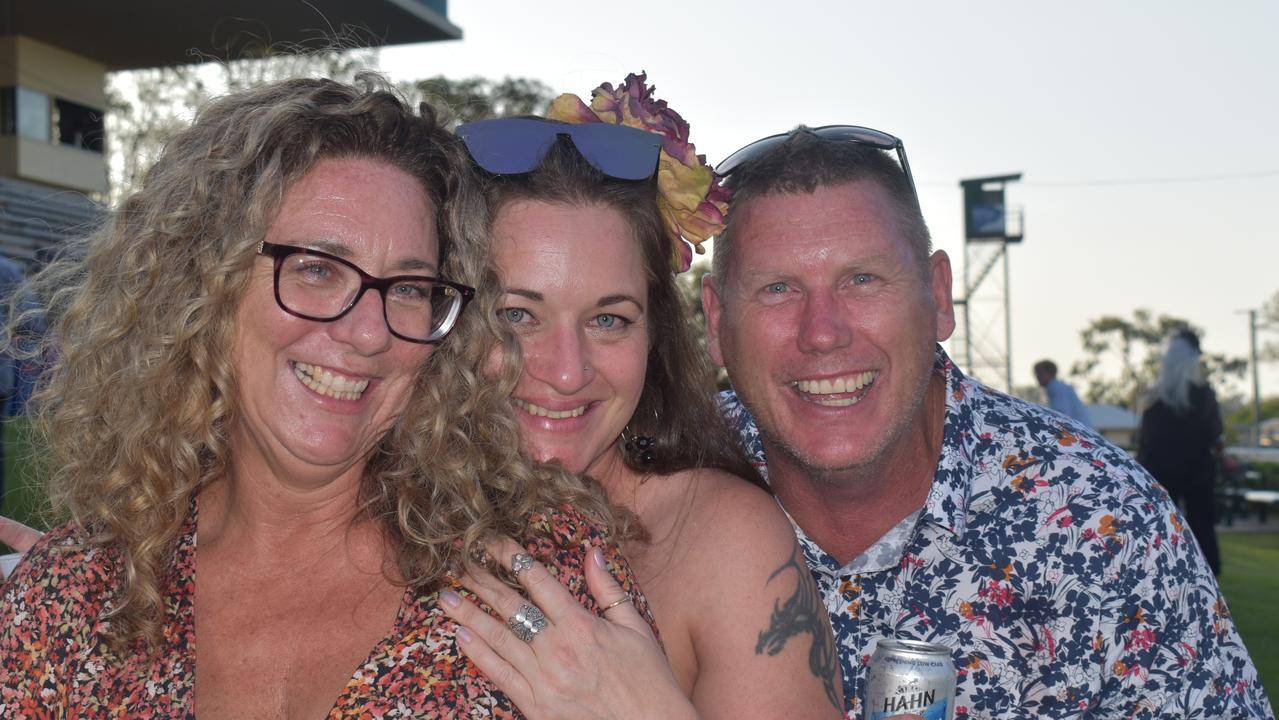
59,166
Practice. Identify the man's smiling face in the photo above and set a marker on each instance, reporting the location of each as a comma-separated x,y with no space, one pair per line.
827,322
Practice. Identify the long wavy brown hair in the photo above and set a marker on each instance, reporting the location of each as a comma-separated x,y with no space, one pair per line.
135,406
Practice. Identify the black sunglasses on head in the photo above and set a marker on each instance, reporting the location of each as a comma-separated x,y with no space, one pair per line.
853,133
513,146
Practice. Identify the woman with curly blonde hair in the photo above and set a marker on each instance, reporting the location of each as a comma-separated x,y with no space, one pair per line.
260,350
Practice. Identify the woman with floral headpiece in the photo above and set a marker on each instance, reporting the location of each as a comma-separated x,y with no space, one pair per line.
590,209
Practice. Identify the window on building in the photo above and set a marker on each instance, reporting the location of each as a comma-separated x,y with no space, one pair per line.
33,114
78,125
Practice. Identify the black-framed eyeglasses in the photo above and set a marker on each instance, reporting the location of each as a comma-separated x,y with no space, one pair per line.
315,285
513,146
855,133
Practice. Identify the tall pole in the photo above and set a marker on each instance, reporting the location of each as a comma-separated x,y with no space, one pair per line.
968,338
968,325
1008,327
1256,383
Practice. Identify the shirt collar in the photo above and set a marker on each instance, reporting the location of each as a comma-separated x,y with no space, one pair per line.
947,502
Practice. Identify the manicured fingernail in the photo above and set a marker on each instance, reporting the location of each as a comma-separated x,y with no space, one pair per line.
599,558
464,635
450,598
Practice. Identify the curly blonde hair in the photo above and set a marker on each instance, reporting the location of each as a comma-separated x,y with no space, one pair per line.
135,406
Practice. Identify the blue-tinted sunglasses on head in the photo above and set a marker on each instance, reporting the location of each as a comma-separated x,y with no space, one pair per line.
852,133
511,146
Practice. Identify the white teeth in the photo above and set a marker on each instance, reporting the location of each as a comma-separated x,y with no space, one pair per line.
539,411
838,386
326,383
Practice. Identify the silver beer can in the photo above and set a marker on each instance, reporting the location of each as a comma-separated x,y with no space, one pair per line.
910,677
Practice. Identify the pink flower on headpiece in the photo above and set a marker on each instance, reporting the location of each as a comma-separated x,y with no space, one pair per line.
690,197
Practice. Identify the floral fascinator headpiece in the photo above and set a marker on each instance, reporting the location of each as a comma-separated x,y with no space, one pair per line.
690,197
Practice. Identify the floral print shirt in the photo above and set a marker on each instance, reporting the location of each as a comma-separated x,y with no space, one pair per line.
54,665
1059,574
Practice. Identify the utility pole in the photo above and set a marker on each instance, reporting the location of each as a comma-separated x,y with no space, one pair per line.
1256,382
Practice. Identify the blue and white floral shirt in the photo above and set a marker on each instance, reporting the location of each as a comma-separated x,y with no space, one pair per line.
1058,572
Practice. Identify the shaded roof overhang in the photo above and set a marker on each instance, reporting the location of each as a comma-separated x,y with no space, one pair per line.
131,34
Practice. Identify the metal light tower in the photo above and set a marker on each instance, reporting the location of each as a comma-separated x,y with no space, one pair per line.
985,313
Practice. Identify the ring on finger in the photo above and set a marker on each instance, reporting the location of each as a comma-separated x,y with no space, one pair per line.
527,622
624,599
520,562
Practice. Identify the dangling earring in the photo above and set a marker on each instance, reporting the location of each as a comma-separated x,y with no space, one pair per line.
640,447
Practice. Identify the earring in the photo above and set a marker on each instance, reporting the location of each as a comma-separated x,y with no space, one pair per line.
640,447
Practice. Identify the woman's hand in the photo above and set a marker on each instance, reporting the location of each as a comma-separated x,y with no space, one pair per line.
17,536
576,664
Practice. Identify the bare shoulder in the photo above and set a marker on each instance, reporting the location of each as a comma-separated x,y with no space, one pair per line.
738,541
758,626
730,515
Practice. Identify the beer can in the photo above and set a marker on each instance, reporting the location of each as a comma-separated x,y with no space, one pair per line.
910,677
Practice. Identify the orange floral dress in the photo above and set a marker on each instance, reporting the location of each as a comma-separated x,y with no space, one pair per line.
53,663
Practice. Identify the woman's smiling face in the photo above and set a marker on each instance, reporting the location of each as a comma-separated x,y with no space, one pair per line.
315,397
576,296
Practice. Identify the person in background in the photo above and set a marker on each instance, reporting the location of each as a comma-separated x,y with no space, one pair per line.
930,507
278,433
587,219
1180,439
10,404
1061,396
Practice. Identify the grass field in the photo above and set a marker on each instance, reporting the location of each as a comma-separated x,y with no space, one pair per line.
23,497
1250,581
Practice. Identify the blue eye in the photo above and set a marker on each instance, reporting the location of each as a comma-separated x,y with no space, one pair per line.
411,292
609,321
862,278
775,288
513,315
312,270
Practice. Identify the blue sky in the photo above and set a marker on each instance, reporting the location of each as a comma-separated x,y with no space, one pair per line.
1130,122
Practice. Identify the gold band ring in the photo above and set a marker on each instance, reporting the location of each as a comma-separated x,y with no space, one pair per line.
624,599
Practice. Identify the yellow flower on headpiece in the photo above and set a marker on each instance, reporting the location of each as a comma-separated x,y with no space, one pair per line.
690,197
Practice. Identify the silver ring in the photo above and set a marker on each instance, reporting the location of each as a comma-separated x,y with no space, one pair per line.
521,562
527,622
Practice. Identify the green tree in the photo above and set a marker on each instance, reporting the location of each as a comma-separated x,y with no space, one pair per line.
1238,421
1268,330
1123,354
690,288
145,108
477,98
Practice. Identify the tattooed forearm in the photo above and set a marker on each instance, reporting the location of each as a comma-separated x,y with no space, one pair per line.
801,614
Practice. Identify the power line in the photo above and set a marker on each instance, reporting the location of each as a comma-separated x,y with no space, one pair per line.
1137,181
1158,180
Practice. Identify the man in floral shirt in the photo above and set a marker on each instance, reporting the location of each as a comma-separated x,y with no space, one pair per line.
929,506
